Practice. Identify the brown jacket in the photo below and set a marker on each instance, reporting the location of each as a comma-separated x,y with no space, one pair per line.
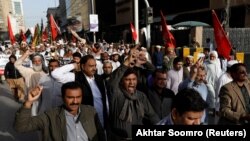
53,123
232,103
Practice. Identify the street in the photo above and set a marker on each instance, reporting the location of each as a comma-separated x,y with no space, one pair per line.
8,109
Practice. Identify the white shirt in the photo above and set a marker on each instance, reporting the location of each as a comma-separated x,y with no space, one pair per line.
223,79
97,96
174,79
115,65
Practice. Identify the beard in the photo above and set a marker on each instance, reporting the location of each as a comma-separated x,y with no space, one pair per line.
37,67
213,61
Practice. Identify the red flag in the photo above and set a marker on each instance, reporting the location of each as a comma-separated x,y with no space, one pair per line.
54,28
167,35
134,34
45,35
22,36
73,39
222,42
11,36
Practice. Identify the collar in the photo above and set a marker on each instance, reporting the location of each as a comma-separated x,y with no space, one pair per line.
89,78
69,114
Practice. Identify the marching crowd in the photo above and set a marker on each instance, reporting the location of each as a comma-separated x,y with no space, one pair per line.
78,91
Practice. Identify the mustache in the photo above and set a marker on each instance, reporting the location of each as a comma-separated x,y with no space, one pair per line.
75,104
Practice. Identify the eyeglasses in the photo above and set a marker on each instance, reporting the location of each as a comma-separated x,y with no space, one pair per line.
243,72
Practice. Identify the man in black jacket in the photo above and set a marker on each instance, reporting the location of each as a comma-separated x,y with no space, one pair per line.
14,79
94,92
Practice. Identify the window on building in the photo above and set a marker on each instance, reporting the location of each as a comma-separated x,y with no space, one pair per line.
17,6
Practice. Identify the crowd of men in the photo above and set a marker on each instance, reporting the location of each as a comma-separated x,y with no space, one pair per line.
76,91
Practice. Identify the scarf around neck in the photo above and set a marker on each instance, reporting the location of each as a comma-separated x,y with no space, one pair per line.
126,113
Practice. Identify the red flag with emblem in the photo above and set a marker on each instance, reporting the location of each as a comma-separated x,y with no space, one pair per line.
11,35
167,35
222,42
54,28
134,34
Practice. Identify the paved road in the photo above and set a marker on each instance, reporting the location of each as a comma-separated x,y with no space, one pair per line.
8,109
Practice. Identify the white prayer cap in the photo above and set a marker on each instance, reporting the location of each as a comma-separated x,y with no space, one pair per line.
201,55
158,46
231,63
115,52
190,56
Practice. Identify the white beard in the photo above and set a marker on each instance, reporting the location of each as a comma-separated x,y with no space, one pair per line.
213,61
37,67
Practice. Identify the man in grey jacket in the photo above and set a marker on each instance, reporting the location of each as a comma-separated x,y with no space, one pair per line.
72,121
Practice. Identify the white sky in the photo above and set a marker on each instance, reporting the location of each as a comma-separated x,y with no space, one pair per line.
35,10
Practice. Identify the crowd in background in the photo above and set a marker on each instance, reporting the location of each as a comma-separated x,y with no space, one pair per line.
124,84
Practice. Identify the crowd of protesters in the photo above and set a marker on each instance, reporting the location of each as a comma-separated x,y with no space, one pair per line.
79,91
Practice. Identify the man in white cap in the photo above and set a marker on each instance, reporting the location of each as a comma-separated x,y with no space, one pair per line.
189,62
157,57
32,74
115,60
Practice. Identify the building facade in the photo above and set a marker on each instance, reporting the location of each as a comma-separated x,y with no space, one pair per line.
14,9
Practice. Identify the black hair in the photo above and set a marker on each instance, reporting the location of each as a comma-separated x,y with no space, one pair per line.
234,68
158,71
130,71
54,60
177,59
12,56
70,85
85,58
187,100
77,54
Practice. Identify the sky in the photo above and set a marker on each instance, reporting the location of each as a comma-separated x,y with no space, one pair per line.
35,10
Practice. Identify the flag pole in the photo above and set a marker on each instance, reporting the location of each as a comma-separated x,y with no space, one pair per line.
93,12
136,16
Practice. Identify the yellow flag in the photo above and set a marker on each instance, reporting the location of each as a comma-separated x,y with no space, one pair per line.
186,52
36,36
196,56
199,49
240,57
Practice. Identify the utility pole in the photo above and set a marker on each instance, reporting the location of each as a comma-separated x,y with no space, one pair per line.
93,12
148,39
136,14
227,10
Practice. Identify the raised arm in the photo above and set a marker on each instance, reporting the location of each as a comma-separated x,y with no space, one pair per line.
24,122
18,64
63,74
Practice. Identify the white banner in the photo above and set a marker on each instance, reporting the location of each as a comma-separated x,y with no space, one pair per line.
4,59
93,19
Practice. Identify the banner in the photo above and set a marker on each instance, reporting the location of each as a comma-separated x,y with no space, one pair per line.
93,19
